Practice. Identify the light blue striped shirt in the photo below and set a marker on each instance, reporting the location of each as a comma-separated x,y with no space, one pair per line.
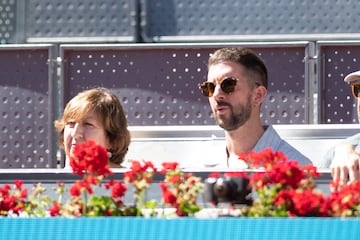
272,139
269,139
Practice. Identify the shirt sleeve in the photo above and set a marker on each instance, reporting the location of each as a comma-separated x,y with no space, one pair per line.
353,140
272,139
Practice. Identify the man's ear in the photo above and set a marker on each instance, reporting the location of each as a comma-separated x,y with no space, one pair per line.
260,93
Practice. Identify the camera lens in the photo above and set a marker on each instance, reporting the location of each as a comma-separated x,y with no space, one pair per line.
233,190
221,188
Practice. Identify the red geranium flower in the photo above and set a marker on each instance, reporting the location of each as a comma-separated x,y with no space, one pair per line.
90,158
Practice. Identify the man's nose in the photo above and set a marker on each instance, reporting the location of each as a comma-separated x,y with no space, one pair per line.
218,92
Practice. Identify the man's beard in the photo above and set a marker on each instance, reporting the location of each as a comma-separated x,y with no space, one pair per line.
237,118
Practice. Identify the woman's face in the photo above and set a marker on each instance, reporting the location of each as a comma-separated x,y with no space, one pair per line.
88,128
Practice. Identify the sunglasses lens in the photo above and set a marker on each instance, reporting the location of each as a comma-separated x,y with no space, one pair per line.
207,89
228,85
356,90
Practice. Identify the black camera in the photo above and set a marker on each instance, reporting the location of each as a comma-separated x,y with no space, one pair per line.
230,190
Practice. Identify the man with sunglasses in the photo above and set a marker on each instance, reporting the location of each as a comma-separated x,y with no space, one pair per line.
236,87
345,157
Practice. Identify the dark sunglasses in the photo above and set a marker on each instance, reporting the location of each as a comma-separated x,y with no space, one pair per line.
227,85
355,89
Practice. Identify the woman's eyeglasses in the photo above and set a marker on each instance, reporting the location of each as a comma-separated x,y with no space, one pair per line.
227,85
355,89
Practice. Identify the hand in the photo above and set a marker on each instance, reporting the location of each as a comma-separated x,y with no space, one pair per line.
345,165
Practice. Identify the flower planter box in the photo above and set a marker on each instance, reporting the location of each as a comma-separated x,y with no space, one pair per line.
179,228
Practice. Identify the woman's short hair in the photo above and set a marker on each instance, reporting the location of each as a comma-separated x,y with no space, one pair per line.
111,114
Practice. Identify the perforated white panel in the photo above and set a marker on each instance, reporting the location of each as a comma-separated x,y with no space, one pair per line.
105,20
26,109
158,85
7,21
336,60
214,18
